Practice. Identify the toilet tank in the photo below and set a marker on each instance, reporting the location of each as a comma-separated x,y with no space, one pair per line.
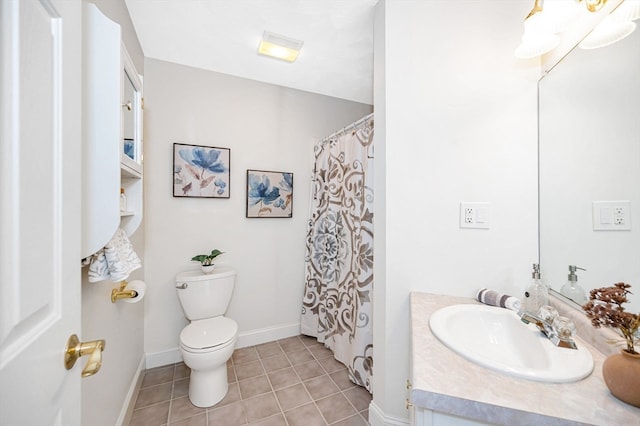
205,295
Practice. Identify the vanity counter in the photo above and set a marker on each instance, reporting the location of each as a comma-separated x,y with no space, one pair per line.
445,382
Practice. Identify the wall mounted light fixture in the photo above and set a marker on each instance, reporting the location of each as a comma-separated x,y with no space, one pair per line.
549,18
613,28
279,47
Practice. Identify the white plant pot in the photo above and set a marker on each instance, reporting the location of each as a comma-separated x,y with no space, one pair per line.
208,269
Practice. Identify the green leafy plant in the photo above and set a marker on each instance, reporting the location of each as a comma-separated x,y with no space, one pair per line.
207,259
604,308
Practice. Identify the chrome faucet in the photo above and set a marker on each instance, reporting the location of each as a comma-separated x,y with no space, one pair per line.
559,330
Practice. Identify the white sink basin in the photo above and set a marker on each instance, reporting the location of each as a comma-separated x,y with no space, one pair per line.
496,338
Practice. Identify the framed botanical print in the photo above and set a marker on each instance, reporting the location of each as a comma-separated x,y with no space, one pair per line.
269,194
201,171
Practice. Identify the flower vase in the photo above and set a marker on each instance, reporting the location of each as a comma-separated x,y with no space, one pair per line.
207,269
621,373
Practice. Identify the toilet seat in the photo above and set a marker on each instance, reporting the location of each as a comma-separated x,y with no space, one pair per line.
207,334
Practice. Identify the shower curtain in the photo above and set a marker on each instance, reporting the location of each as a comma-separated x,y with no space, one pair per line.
339,249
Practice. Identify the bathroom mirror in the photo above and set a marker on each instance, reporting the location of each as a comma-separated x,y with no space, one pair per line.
131,143
589,151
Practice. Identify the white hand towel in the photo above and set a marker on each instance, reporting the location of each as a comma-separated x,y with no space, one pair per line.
116,260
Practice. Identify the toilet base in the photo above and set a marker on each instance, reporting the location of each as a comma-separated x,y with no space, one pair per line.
207,388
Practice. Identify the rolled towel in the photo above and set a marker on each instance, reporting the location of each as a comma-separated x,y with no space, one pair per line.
493,298
115,261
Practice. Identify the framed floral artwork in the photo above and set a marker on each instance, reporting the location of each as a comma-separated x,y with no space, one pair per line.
201,171
269,194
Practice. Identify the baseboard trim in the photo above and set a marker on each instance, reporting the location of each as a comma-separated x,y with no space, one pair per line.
127,408
378,418
158,359
267,334
248,338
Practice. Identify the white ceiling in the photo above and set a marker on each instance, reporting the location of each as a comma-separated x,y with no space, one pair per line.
223,36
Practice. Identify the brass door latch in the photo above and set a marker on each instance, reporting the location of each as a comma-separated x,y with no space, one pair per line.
76,349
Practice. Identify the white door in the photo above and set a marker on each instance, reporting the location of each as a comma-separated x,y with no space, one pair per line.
40,77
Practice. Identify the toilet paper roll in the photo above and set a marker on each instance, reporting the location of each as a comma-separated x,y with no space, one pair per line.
139,287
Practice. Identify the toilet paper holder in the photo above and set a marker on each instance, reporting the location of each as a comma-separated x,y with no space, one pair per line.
121,293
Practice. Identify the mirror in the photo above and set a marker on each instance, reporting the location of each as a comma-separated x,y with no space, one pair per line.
589,151
131,144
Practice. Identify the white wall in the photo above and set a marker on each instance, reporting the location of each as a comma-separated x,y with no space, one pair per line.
105,395
460,124
266,127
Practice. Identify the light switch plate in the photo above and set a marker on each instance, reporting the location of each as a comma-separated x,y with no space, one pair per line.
475,215
612,215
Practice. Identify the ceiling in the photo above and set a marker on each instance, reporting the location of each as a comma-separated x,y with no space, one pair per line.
223,35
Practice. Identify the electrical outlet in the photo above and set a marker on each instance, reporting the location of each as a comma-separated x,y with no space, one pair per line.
469,215
474,215
611,215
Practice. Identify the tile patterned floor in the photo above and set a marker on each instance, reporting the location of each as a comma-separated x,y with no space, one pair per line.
289,382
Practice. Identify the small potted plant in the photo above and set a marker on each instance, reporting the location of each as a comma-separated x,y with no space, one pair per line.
621,372
206,260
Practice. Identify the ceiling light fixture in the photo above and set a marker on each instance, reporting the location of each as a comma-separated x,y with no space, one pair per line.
279,47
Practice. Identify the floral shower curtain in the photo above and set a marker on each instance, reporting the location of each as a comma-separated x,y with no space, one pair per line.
339,250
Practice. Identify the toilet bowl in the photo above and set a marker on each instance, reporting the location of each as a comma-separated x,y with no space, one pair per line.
208,341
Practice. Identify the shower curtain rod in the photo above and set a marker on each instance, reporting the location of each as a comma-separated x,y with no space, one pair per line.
348,126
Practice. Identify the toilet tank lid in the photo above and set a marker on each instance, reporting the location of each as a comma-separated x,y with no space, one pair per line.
198,275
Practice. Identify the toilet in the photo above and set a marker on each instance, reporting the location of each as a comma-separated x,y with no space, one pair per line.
207,343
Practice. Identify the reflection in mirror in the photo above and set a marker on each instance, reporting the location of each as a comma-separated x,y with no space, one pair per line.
131,102
128,119
589,151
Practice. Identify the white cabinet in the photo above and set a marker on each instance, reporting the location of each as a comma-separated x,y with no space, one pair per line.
107,72
130,147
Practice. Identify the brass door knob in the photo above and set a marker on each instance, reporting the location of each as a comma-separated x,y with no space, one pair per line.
76,349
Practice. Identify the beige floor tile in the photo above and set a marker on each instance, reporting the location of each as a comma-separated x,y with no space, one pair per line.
199,420
300,357
244,355
307,415
180,388
270,349
320,387
291,344
342,380
155,376
181,371
292,397
359,397
277,420
233,395
356,420
254,386
260,407
181,408
153,395
335,407
283,378
309,370
229,415
248,370
320,351
330,364
153,415
274,363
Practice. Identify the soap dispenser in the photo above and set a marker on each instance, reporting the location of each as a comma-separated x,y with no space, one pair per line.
572,289
536,294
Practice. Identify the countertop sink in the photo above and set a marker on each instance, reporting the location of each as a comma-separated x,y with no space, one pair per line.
496,338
